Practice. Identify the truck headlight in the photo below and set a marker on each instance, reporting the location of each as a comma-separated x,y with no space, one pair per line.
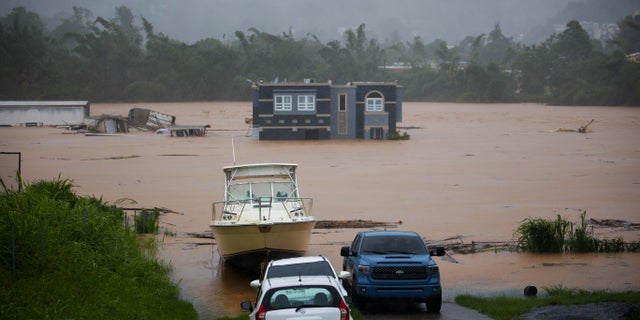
433,270
364,270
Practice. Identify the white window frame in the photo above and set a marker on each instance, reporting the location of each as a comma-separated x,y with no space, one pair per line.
282,102
306,102
375,104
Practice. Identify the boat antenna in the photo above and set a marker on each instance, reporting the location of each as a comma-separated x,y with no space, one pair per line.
233,150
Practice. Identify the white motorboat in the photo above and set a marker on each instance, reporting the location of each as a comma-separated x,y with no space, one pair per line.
262,216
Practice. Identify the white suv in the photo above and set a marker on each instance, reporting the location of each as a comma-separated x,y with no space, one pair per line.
299,297
303,266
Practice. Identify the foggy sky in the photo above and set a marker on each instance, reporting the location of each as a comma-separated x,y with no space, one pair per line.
192,20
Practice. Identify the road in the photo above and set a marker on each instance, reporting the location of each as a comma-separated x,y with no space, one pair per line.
449,311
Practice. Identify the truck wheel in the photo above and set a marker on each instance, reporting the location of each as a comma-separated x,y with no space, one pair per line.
434,303
358,301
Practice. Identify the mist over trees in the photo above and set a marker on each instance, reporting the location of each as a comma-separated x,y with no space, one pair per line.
123,58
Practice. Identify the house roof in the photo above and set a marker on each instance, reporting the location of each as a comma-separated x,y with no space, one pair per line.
42,103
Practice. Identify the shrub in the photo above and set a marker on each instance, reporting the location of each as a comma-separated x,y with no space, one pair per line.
395,135
560,235
69,257
542,235
147,221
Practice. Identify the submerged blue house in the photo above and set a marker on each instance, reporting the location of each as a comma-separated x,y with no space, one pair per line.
309,110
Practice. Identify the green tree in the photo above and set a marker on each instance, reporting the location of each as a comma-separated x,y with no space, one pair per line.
108,57
496,49
569,51
364,56
532,69
78,23
449,60
24,53
628,39
418,53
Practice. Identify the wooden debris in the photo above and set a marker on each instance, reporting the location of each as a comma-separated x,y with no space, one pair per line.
614,223
581,129
457,245
342,224
160,210
203,235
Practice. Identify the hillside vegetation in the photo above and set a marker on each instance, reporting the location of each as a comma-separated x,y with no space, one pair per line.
68,257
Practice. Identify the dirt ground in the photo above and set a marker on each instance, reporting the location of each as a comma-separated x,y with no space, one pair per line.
469,172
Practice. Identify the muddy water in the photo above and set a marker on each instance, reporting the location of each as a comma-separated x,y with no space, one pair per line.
468,171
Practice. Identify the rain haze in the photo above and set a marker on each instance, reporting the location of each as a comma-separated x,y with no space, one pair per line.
387,21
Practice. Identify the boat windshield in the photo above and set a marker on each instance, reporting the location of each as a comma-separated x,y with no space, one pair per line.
279,191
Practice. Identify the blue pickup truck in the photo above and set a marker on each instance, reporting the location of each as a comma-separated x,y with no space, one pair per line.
392,266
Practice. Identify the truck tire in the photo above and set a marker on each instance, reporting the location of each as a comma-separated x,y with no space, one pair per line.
434,303
358,301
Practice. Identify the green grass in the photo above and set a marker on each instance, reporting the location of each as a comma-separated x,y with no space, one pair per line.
69,257
563,236
147,221
507,308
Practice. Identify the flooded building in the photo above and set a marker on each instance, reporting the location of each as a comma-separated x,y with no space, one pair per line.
43,113
107,123
309,110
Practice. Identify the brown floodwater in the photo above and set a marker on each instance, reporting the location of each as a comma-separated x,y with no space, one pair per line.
470,171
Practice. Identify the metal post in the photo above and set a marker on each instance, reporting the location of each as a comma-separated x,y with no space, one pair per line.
84,224
13,252
42,245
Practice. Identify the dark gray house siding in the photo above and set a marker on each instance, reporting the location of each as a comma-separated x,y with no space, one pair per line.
343,112
306,111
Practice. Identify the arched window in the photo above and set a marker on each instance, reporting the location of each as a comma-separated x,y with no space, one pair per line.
375,102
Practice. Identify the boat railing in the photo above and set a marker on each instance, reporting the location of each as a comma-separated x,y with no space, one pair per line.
263,208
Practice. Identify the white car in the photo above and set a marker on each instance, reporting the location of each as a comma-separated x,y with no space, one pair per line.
303,266
300,297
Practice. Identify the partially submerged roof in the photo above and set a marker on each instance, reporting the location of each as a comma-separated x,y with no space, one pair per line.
148,118
42,103
188,130
329,83
108,116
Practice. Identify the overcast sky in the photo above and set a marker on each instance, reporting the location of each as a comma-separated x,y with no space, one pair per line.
192,20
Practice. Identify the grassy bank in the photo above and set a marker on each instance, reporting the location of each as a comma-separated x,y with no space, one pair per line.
508,308
69,257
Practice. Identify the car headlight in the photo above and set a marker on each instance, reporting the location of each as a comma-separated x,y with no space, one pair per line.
364,270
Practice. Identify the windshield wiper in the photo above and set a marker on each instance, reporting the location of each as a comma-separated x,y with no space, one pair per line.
402,252
374,252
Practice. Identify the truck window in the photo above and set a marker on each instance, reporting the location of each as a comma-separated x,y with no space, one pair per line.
355,245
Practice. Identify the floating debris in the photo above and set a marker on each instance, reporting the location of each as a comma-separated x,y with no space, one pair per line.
354,224
142,118
582,129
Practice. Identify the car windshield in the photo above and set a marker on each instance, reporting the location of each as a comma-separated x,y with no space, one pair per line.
393,245
301,296
315,268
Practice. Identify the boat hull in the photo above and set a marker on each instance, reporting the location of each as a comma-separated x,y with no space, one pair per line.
248,245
